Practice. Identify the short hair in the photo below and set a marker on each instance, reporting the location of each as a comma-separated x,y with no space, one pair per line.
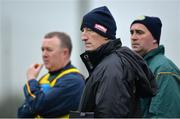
63,37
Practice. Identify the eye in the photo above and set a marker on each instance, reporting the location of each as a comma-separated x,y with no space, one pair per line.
46,49
49,49
82,30
131,32
88,29
42,49
140,32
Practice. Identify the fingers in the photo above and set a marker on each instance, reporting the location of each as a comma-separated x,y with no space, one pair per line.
34,70
38,66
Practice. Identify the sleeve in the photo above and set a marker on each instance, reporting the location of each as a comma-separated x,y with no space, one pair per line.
167,99
58,100
112,97
25,110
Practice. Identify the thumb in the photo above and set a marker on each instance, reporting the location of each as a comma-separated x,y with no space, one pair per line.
38,68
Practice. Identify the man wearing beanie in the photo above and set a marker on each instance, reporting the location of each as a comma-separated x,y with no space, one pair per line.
117,75
145,37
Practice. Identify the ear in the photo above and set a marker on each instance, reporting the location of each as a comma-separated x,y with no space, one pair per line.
66,52
154,41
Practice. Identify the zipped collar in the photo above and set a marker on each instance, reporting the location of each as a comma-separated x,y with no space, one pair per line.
92,58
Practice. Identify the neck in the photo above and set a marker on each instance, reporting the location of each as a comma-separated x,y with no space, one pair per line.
62,65
150,49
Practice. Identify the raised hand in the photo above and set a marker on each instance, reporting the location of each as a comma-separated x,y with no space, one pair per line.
33,71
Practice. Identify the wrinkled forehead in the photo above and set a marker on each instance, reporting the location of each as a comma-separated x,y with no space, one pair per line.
138,26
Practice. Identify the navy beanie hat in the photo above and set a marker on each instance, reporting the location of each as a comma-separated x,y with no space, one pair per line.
153,24
101,21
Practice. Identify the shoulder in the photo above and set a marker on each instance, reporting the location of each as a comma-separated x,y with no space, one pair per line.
72,72
74,75
110,66
111,61
71,78
161,63
119,59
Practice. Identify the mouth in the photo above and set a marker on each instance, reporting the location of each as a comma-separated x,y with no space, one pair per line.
135,46
87,44
45,61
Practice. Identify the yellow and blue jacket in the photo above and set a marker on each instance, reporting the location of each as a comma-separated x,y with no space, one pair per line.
54,95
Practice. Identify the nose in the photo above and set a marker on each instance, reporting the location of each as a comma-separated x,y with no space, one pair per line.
44,53
133,36
84,35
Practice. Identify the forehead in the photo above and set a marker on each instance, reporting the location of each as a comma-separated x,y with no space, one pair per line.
138,26
91,32
51,41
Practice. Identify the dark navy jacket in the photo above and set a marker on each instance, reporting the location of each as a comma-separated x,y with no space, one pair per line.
54,101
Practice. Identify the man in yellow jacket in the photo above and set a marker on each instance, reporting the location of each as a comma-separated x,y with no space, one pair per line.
57,92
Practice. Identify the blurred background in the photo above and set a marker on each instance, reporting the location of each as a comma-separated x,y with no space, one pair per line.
23,23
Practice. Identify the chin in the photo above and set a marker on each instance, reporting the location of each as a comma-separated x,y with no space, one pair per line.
88,49
135,50
47,67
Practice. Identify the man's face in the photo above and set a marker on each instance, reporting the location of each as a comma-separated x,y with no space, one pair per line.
92,40
52,53
142,40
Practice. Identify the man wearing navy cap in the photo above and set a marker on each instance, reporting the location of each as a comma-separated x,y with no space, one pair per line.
117,75
145,39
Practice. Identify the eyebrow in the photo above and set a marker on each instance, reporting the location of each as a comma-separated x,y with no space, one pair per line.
137,30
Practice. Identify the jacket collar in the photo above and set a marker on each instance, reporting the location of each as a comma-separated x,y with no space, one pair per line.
61,69
92,58
152,53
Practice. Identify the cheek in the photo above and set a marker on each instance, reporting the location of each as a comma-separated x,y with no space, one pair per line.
53,56
142,39
95,44
57,56
96,41
149,41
